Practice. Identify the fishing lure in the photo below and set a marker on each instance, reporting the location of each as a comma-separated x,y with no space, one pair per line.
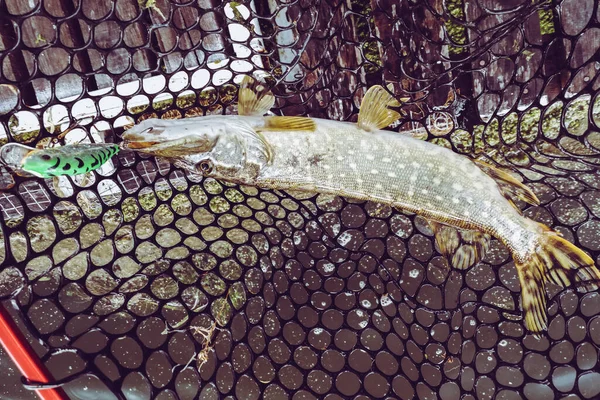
465,201
72,159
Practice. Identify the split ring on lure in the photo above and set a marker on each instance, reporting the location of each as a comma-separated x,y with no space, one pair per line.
73,159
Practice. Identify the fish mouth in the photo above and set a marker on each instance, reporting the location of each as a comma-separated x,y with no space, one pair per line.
149,130
147,136
141,140
154,137
169,148
135,145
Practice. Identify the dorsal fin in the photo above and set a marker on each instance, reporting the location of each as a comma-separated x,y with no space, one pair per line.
254,97
374,112
508,184
289,124
463,248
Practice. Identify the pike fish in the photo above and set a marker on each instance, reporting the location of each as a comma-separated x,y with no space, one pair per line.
72,159
465,201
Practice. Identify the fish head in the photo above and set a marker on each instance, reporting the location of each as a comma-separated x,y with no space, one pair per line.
238,155
172,138
221,146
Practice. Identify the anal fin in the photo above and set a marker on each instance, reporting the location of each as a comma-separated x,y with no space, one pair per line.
533,297
374,109
463,248
508,184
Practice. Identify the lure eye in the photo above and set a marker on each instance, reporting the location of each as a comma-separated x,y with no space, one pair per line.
46,157
205,166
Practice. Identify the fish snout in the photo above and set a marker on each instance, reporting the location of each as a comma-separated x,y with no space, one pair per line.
146,134
143,131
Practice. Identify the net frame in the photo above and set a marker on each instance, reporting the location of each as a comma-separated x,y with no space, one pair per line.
425,82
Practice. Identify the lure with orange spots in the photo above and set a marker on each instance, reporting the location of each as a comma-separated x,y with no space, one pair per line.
73,159
465,201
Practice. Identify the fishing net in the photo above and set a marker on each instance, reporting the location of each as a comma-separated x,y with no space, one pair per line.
144,281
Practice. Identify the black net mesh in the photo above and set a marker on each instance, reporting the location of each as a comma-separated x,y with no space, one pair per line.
142,281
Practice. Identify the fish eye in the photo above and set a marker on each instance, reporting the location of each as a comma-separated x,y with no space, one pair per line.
45,157
205,166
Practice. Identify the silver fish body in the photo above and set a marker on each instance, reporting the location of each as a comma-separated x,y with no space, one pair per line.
344,159
395,169
340,158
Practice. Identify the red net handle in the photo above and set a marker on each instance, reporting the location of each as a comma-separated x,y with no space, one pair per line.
25,358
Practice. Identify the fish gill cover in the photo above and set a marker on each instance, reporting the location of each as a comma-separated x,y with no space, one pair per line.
141,281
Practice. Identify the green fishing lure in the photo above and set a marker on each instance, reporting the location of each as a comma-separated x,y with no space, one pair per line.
74,159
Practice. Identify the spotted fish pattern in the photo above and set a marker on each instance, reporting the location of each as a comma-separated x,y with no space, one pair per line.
363,162
74,159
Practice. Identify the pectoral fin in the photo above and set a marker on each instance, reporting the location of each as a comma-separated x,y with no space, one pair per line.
289,124
254,97
374,112
463,248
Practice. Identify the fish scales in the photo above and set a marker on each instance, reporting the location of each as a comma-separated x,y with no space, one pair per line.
342,159
339,158
363,162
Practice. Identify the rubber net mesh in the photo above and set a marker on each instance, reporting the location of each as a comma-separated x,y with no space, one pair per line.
143,281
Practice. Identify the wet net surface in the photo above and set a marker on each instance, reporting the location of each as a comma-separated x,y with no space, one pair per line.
142,281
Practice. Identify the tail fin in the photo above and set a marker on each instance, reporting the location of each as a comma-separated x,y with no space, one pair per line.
558,261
